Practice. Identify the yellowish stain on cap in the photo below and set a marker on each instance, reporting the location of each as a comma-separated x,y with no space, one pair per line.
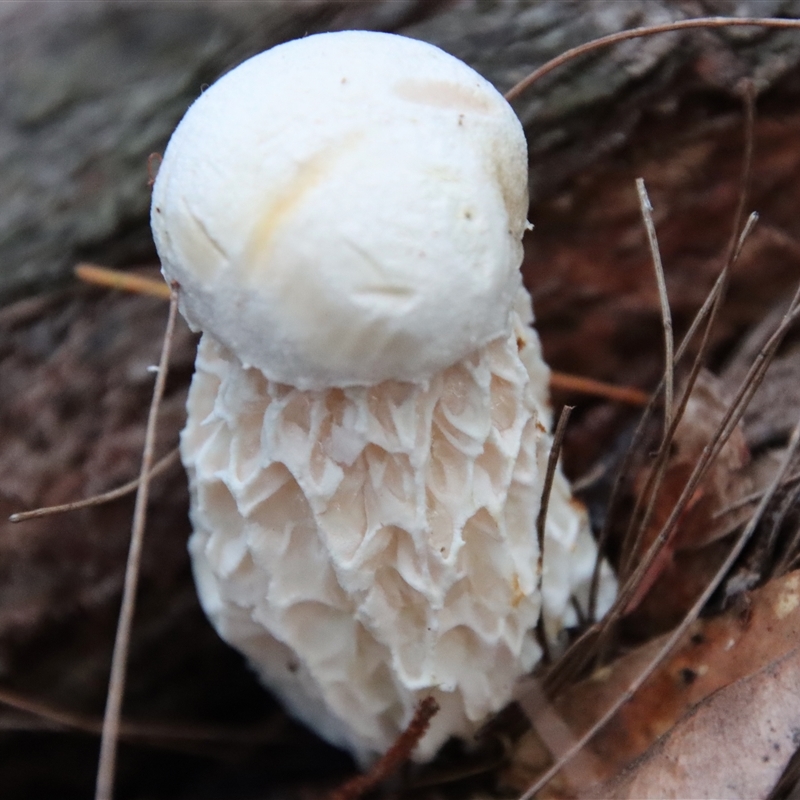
443,94
308,176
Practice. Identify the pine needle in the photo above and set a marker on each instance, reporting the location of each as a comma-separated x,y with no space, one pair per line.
106,497
116,688
124,281
609,391
59,718
544,503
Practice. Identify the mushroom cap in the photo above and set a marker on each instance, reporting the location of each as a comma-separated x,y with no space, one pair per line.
345,209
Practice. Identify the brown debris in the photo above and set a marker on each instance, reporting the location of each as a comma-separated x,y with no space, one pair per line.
394,758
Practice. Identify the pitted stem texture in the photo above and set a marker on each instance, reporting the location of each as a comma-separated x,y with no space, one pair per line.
366,547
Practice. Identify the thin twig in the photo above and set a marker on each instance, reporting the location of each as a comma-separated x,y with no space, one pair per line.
666,315
709,307
787,505
746,231
649,494
106,497
710,451
735,243
630,542
552,463
541,518
747,89
593,639
125,281
635,33
393,758
116,686
60,718
636,527
686,623
627,460
749,499
575,383
733,414
56,716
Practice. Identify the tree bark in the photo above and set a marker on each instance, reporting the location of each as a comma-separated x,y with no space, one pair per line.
88,91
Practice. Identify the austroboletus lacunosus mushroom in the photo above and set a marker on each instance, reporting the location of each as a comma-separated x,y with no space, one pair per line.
368,422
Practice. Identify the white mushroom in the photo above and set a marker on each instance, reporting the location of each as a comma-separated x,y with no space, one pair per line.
368,421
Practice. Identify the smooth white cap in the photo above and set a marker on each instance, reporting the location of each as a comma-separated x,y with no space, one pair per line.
345,209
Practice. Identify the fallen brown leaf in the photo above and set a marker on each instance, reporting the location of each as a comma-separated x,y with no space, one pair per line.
752,636
735,744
